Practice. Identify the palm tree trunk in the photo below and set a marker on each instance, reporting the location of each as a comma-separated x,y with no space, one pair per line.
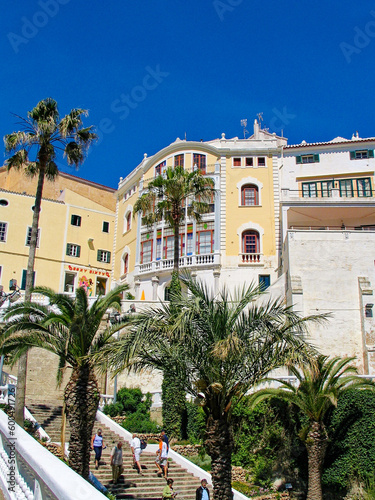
316,444
176,261
219,445
22,363
82,400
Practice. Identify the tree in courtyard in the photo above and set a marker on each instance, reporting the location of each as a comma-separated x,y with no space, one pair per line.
219,347
73,331
320,383
172,197
43,134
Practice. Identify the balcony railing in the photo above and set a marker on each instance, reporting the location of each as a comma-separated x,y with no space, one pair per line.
251,258
184,262
327,196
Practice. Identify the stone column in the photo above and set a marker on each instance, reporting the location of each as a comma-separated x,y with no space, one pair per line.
137,285
216,281
155,283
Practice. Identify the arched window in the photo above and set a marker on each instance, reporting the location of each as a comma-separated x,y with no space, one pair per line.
126,263
250,246
249,195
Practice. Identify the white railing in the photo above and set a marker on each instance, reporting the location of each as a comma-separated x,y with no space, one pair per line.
184,262
152,448
29,471
251,258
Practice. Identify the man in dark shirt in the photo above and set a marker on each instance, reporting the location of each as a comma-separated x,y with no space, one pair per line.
202,492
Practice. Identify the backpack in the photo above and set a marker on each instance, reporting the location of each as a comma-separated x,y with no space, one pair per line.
143,444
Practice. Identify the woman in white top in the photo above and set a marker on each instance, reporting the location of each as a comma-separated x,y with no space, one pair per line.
164,456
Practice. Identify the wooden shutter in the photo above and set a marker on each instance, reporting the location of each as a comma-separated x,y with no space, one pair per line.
298,159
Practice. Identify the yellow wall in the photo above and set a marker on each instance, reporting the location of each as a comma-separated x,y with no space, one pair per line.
237,215
56,231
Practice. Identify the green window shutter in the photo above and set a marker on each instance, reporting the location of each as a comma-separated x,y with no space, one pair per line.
78,251
352,155
23,281
68,249
371,153
298,159
108,257
316,158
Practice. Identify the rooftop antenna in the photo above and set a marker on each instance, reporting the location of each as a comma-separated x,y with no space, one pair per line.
185,136
244,125
260,118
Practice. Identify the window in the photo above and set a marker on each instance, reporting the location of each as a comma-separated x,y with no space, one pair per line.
236,162
199,162
250,242
23,280
249,195
126,263
364,187
104,256
101,286
69,282
146,251
3,231
205,238
261,161
105,227
73,250
326,188
309,190
189,246
28,237
249,162
128,221
368,310
308,158
75,220
346,188
4,203
179,161
158,245
264,281
159,168
362,153
168,248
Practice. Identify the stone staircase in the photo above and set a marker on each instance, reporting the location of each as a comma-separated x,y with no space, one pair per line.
131,485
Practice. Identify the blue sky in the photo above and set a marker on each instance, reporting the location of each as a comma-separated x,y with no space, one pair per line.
151,71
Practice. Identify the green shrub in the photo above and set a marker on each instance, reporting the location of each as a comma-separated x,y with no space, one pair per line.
351,453
196,422
113,409
202,462
141,422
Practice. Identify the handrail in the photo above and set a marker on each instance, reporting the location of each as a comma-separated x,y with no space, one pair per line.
179,459
28,470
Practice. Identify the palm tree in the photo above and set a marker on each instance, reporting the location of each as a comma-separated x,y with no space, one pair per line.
73,331
44,132
219,347
320,383
167,196
173,196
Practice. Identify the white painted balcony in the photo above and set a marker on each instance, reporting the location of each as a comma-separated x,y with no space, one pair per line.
250,259
186,262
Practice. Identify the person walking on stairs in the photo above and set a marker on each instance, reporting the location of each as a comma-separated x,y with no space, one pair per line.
202,492
135,445
116,462
97,445
168,490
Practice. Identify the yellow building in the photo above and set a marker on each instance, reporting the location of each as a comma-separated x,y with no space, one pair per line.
76,233
236,242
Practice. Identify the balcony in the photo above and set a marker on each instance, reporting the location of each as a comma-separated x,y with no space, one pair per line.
250,259
331,196
186,262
